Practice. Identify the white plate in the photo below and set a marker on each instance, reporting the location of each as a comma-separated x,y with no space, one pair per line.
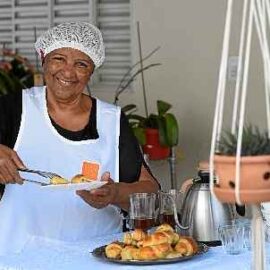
79,186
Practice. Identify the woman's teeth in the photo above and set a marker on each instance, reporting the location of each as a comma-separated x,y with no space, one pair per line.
65,82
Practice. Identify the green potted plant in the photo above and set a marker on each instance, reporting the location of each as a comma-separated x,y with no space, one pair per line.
16,73
158,132
254,166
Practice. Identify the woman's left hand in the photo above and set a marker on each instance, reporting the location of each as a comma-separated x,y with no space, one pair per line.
100,197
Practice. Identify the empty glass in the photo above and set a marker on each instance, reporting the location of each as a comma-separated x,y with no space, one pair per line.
246,224
142,212
232,238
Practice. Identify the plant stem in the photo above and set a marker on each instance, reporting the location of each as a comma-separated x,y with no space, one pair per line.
130,69
131,80
142,74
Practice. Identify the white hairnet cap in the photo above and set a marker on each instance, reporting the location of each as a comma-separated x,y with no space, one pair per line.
82,36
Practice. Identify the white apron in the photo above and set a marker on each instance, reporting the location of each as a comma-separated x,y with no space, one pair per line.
28,209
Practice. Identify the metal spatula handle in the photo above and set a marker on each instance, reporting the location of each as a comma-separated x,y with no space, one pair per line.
41,173
35,182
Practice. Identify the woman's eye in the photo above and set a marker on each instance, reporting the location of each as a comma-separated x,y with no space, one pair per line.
58,59
82,65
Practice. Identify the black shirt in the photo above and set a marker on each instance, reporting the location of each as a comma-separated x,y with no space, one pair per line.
130,156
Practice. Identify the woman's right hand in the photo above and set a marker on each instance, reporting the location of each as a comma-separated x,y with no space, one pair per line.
9,162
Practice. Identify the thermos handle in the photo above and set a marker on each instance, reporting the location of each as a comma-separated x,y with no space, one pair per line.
177,222
186,185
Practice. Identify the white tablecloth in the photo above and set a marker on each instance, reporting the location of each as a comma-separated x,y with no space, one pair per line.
44,254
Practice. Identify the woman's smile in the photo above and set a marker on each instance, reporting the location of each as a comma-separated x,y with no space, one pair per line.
67,72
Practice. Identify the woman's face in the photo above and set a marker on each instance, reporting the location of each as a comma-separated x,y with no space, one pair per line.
67,72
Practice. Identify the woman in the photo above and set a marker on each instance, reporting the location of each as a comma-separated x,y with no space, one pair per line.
57,128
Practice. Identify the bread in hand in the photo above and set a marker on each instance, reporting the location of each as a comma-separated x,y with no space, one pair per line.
57,180
79,178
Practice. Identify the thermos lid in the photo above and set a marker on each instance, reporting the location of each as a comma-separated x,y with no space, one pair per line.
203,172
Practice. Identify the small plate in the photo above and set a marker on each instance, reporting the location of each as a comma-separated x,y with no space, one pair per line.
78,186
100,254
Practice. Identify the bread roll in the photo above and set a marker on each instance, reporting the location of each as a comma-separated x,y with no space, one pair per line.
164,227
173,254
130,253
155,239
160,237
186,246
79,178
57,180
127,239
138,235
155,252
113,250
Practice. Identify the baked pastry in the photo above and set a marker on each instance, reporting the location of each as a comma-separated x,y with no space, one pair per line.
114,250
164,243
138,235
186,246
155,252
164,227
57,180
173,254
127,239
130,253
79,178
159,238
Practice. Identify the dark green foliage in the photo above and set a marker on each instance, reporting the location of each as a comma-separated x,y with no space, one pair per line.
254,143
165,122
16,77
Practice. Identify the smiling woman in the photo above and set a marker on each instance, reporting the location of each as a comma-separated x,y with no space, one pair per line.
66,73
58,128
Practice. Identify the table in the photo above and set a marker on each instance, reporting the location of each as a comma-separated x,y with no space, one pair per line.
45,254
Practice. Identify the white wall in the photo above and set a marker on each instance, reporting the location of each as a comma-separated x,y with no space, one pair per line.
190,33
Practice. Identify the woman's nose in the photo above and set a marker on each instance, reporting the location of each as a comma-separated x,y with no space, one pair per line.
68,70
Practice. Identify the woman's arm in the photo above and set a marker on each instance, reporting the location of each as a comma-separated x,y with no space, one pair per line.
134,175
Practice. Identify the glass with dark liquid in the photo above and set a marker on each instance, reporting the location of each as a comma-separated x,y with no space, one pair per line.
168,218
167,202
142,210
143,223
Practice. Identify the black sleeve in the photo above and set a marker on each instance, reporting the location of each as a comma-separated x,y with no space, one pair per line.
10,118
130,154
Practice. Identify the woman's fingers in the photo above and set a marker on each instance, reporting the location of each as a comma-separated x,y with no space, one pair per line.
9,162
91,199
17,161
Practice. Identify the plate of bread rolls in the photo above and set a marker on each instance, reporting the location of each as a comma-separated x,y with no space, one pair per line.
78,182
164,245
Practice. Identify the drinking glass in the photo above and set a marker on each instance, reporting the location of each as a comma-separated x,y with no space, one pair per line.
167,201
142,212
246,224
232,238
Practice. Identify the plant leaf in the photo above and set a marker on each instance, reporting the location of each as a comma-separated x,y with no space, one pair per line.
162,131
140,135
162,107
129,107
172,129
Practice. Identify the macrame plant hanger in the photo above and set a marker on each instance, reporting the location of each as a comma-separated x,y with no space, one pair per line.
255,16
